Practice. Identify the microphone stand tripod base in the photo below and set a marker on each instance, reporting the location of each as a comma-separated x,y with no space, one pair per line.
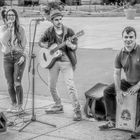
33,119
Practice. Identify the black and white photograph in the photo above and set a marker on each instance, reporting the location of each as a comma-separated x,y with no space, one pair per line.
67,69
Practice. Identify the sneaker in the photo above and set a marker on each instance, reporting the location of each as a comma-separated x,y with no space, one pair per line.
55,109
77,116
12,109
108,125
20,109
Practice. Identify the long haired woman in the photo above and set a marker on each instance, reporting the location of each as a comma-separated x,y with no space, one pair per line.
13,42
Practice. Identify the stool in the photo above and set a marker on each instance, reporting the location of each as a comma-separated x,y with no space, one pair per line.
126,113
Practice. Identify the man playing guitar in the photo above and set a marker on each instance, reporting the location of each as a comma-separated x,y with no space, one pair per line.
55,35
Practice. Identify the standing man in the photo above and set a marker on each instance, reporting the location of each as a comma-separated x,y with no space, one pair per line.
128,59
57,34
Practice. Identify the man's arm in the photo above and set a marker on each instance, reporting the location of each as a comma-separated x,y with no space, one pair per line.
117,81
43,41
43,45
71,44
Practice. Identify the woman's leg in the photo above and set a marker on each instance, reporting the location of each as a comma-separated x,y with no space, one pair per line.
9,71
18,74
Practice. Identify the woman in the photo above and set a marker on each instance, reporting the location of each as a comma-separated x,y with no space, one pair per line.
13,42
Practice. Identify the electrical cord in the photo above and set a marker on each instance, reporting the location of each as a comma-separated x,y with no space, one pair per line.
40,75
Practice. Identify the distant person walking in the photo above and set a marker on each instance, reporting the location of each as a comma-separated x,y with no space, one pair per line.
13,42
3,15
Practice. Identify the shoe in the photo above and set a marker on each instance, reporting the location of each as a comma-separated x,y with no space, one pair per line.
20,109
12,109
108,125
77,116
55,109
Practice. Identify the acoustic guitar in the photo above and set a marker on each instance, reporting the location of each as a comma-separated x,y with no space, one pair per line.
47,57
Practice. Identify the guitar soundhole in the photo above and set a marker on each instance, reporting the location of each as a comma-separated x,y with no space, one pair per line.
44,56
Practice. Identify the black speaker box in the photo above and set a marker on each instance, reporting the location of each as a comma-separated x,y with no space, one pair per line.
3,122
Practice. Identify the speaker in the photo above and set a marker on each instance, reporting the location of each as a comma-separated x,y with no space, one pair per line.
3,122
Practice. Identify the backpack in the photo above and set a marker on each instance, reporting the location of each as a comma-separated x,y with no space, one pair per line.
94,106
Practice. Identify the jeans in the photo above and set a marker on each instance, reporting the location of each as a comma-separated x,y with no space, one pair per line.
110,100
67,71
13,74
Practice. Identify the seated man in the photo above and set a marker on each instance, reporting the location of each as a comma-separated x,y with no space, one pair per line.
128,59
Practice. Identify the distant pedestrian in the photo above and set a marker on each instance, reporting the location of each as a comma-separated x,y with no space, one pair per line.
3,15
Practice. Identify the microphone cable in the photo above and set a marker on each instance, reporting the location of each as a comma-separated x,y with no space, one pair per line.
41,76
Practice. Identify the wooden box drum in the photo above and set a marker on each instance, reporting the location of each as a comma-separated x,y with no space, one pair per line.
126,113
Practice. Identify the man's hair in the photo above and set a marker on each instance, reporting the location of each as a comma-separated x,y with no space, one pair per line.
129,29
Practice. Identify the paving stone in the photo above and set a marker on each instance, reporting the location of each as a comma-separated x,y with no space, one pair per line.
49,138
14,135
89,131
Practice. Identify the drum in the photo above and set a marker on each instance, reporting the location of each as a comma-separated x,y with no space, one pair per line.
126,113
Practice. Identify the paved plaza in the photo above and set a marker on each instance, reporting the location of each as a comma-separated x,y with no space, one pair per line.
96,52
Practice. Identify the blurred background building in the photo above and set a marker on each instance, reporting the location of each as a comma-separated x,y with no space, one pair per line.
68,2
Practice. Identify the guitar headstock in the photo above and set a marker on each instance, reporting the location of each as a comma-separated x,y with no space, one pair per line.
80,33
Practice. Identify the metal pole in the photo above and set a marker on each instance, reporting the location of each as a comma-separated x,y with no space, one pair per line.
11,3
90,7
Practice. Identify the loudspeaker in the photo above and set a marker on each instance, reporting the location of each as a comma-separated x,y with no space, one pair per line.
3,122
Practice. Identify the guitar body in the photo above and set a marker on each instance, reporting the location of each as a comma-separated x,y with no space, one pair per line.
47,58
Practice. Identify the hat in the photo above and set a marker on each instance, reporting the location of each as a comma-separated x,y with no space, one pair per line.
55,13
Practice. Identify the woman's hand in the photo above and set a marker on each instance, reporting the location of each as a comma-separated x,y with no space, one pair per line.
21,60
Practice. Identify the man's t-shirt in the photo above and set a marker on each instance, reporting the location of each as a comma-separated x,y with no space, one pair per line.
59,40
130,63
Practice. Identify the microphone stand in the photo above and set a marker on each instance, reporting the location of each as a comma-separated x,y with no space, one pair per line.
32,60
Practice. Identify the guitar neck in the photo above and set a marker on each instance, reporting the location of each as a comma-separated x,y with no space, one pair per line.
60,46
64,43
